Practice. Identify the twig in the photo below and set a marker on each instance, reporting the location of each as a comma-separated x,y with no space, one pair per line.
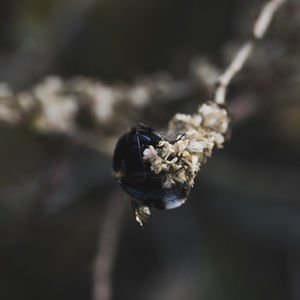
108,245
260,27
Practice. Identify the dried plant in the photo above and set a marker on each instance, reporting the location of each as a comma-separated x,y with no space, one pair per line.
53,105
192,138
196,135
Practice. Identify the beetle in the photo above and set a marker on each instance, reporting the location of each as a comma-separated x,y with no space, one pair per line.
136,177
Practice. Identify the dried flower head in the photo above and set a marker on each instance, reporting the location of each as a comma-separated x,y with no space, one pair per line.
195,137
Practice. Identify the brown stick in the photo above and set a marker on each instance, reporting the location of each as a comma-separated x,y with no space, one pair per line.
259,29
108,245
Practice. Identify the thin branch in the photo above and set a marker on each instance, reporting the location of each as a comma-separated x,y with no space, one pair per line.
108,245
260,27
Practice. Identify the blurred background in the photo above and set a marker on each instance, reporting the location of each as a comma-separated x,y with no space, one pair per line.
75,75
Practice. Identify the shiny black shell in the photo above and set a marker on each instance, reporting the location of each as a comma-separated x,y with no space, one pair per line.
135,175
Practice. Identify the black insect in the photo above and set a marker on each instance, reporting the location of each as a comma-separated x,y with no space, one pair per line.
136,177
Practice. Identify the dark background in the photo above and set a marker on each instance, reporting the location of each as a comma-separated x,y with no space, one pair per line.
238,236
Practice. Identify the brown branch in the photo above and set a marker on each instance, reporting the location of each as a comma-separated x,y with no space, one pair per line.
54,104
108,245
260,27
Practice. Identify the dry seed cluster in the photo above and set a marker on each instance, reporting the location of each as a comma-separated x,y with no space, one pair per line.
195,137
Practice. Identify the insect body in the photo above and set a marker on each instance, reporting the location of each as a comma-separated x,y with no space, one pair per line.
136,177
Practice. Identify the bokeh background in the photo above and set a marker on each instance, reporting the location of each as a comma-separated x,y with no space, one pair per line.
61,211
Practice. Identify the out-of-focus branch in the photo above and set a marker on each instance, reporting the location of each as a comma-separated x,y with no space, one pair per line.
87,108
108,245
260,27
56,103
